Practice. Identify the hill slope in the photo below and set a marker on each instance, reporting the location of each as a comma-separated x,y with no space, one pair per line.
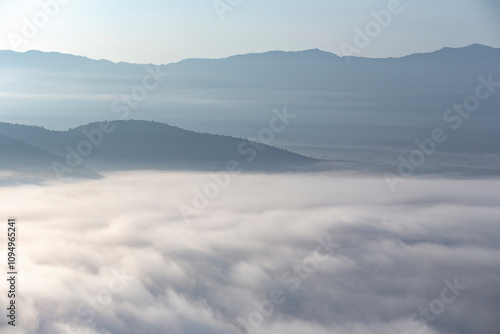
151,145
18,156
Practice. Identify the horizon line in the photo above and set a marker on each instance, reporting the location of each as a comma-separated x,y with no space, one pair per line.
251,53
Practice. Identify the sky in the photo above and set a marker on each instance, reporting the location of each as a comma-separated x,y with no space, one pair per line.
164,31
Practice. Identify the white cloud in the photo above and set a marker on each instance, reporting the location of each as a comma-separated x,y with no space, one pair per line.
395,251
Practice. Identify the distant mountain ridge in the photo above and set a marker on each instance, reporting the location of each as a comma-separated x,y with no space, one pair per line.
16,57
309,69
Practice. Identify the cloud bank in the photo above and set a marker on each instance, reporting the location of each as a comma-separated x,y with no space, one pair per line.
300,253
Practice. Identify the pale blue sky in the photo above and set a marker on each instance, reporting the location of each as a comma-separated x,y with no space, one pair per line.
154,31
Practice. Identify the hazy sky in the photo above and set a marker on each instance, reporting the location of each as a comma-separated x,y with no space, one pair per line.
162,31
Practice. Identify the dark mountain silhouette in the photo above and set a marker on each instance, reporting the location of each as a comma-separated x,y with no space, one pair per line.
145,145
18,156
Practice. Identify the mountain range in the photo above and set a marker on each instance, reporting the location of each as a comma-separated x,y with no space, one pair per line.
360,114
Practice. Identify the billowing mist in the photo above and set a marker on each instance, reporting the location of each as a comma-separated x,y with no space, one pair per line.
165,252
